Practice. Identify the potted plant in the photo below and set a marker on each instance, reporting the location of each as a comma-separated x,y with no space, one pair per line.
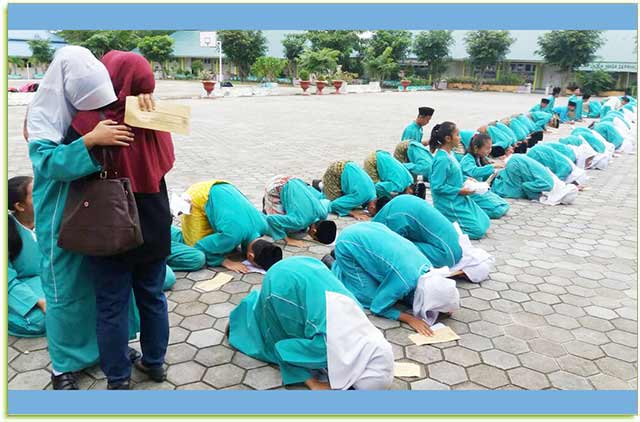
207,81
405,83
304,81
320,84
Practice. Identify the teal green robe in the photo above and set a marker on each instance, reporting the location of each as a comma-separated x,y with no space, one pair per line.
595,108
357,188
394,177
303,206
416,220
184,257
563,149
498,137
550,158
413,132
522,178
609,132
492,204
71,302
571,140
234,220
578,101
519,129
420,160
552,102
612,115
446,183
378,266
25,319
538,108
541,119
285,322
563,114
528,123
588,136
508,132
465,137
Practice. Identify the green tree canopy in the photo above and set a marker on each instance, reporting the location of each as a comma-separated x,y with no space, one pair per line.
345,42
569,50
79,37
41,51
380,66
398,41
158,48
243,48
294,45
433,48
322,62
268,67
487,48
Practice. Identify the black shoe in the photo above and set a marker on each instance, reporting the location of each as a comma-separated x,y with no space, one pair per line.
328,260
64,381
316,184
157,374
133,354
420,190
123,385
333,252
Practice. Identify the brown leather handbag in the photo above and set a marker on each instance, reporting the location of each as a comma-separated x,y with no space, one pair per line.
100,216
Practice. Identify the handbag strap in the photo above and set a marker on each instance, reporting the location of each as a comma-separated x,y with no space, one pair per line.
107,159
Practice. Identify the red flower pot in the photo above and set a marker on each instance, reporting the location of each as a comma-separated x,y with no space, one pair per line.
337,85
304,85
208,86
320,86
405,83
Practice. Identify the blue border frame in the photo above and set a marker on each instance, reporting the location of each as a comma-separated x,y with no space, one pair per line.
334,16
623,402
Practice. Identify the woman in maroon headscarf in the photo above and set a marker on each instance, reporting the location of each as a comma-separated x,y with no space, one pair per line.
145,161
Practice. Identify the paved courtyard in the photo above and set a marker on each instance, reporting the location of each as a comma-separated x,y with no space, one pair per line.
558,312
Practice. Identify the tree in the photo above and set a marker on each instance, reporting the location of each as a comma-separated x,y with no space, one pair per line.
243,48
346,42
381,66
16,62
596,81
398,41
41,52
487,48
323,62
158,48
433,47
196,67
569,50
293,47
80,37
268,67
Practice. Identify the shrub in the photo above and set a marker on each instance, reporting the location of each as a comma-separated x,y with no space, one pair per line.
303,75
596,81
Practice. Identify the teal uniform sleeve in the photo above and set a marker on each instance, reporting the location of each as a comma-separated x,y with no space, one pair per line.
438,180
385,189
357,188
298,356
281,224
216,246
62,163
176,234
471,169
21,297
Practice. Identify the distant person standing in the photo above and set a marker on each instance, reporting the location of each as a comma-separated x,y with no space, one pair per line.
413,132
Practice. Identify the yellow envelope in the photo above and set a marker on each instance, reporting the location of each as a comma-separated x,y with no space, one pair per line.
406,369
440,335
167,117
213,284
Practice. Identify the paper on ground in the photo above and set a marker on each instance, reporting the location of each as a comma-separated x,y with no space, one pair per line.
252,268
441,334
213,284
406,369
179,205
167,117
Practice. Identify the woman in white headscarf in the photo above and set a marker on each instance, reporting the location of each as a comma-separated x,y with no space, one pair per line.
75,81
307,322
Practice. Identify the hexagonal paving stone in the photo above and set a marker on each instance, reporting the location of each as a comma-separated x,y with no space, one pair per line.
600,312
521,332
515,296
175,319
538,308
178,353
253,278
237,298
197,322
529,319
214,297
528,379
185,373
423,354
234,287
547,298
189,309
538,362
577,366
468,385
607,382
624,338
474,303
466,315
11,353
523,287
497,317
555,334
547,348
628,313
614,350
447,373
194,386
220,310
584,350
177,335
488,376
30,344
212,356
201,275
184,296
383,323
428,384
38,359
399,336
626,325
461,356
486,329
591,336
152,385
263,378
500,359
247,362
562,321
475,342
511,344
224,376
597,324
566,381
504,305
397,385
485,294
32,380
568,310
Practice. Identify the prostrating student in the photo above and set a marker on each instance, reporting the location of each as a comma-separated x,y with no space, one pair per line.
438,239
594,110
415,157
449,195
595,140
184,257
293,206
304,320
566,114
559,164
413,132
525,178
381,267
610,133
349,188
222,219
586,156
388,174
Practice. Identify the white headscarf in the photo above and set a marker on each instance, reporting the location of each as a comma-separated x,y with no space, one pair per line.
476,263
358,355
75,80
434,294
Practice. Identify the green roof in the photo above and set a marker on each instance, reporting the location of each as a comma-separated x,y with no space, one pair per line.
187,44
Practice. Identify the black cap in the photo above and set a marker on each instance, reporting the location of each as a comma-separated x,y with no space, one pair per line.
326,231
266,253
572,103
425,111
545,101
586,96
497,151
625,98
